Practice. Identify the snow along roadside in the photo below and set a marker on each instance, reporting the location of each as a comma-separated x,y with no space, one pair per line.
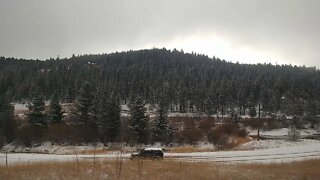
295,152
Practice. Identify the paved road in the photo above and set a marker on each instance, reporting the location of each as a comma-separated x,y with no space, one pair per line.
282,154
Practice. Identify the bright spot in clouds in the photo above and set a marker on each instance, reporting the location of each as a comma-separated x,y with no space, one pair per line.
214,45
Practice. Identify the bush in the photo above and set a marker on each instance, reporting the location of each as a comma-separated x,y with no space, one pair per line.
189,123
61,133
206,124
222,141
296,121
220,134
191,135
215,135
293,133
266,124
29,134
241,133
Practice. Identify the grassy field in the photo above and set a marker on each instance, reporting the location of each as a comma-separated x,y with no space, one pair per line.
160,169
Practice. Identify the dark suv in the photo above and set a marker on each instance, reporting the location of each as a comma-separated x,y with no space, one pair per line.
148,153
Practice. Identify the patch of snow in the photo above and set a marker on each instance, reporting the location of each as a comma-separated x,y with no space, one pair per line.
124,107
153,149
264,151
20,106
177,114
49,148
283,132
267,144
281,152
17,158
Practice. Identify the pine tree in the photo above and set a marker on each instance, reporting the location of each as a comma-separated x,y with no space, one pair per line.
293,133
83,104
253,111
161,130
138,120
114,117
102,116
55,112
36,115
108,117
6,119
252,106
311,113
94,110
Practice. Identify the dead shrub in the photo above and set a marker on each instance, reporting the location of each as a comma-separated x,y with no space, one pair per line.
206,124
220,134
265,123
189,123
216,136
61,132
29,134
241,133
191,135
222,140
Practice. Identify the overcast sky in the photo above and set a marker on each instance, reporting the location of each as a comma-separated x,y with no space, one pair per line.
248,31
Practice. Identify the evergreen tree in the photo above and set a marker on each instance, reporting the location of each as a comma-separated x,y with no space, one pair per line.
235,118
296,122
108,117
293,132
161,130
36,115
83,104
55,111
252,106
114,118
208,106
253,111
138,120
94,110
68,97
188,78
6,119
102,116
311,113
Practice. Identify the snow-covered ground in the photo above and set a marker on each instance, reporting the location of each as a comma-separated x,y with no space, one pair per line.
284,132
273,151
49,148
271,143
264,151
20,106
17,158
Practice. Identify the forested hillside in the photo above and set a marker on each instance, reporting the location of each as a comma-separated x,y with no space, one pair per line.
185,82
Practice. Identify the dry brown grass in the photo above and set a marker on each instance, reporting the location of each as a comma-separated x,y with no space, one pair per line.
161,169
96,151
105,150
235,143
189,149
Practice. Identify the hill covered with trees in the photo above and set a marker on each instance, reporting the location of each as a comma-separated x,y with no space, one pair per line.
95,86
185,82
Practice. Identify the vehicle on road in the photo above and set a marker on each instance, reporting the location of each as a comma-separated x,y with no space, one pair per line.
155,153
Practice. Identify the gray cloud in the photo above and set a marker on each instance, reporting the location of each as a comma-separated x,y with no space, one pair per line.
43,28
